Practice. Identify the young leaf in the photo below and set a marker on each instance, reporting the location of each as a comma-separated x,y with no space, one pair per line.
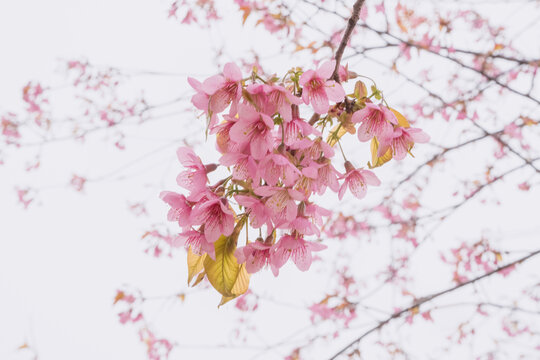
336,134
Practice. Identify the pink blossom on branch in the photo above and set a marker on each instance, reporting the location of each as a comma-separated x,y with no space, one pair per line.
318,90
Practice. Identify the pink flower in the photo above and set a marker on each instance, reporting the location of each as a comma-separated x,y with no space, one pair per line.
297,129
78,182
302,225
401,141
194,179
216,216
316,213
317,90
513,131
376,121
244,166
200,99
127,316
223,140
307,183
255,255
259,213
282,99
10,129
180,208
313,149
156,348
296,248
253,129
327,176
196,240
357,181
277,167
281,202
224,89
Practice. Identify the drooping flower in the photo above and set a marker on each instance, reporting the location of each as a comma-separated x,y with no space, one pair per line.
244,166
376,121
224,89
327,176
180,207
357,180
194,179
313,149
315,213
254,130
401,140
275,167
259,212
216,216
197,242
282,99
200,99
318,90
255,255
223,140
281,202
294,247
296,129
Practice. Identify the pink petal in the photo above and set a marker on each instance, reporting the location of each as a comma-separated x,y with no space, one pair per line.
335,91
371,178
326,69
305,77
319,101
232,72
213,84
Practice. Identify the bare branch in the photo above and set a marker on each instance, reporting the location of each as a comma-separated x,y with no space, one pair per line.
346,36
428,298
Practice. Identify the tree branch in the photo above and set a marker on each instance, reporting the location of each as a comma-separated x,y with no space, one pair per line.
425,299
346,36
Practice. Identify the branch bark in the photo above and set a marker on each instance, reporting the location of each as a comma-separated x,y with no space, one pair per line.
346,36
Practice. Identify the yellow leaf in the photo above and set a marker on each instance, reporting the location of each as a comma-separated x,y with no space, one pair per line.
225,270
200,278
240,286
242,281
377,161
195,264
400,119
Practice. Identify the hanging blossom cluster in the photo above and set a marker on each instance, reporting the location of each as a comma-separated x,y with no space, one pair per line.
275,162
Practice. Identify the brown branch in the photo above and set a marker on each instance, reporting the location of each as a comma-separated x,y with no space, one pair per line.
428,298
346,36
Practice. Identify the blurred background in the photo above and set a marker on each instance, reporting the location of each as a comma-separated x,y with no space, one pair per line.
94,101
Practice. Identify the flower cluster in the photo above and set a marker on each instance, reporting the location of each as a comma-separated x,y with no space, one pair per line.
277,161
